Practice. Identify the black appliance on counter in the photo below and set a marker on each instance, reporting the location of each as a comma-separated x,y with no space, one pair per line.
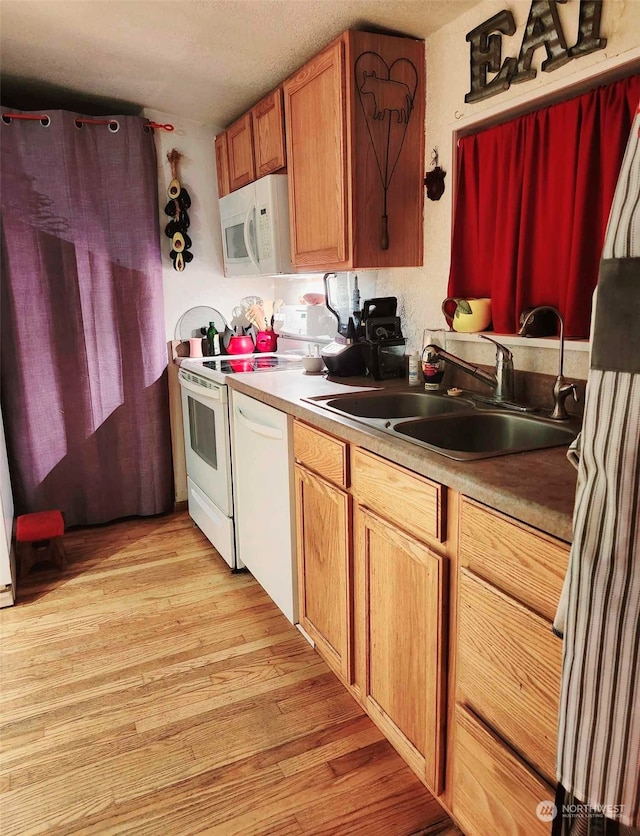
370,339
383,345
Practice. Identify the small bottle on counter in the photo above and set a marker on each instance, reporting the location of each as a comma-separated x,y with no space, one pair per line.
432,364
414,369
213,340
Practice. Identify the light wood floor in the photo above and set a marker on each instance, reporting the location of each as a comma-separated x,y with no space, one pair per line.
148,690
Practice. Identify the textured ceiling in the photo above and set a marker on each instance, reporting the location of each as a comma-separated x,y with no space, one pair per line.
208,60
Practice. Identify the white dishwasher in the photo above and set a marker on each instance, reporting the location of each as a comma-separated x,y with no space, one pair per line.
263,490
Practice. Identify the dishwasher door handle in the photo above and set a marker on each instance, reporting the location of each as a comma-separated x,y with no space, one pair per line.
260,429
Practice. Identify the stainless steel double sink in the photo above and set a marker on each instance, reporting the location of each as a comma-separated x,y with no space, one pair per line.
456,427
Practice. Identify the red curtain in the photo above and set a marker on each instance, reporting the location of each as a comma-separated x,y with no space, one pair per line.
532,206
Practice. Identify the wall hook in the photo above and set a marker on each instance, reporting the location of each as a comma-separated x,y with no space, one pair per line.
434,179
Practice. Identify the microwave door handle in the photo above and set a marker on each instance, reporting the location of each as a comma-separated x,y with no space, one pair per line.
247,237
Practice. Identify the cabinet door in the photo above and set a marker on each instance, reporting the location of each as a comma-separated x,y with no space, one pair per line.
315,116
324,576
267,119
222,164
240,149
402,641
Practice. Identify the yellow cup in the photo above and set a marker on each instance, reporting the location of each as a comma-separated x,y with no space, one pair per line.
467,315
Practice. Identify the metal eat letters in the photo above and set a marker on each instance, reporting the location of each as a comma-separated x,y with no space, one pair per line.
543,29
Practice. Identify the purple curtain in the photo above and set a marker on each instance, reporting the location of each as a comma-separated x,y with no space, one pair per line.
83,387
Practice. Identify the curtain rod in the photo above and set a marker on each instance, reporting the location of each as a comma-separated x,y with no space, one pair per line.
44,118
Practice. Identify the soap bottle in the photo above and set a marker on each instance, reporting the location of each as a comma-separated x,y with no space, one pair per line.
414,368
213,340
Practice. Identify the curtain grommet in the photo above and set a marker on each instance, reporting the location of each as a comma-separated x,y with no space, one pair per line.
114,126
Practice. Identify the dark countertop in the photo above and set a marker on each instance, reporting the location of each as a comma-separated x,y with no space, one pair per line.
537,488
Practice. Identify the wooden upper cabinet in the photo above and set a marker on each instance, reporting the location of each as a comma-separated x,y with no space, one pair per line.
222,164
315,118
267,119
240,150
355,154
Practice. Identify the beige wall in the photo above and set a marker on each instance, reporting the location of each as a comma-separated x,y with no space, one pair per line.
421,290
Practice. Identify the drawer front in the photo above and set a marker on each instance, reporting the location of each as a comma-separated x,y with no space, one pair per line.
493,790
508,669
411,501
522,562
321,453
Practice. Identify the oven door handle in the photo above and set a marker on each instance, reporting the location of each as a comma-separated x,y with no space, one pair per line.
260,429
203,391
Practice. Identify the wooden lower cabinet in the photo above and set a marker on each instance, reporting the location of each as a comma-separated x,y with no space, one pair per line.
436,612
507,674
494,791
399,610
508,669
324,568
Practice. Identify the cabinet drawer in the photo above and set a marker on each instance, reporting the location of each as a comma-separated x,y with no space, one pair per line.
411,501
523,562
508,669
321,453
493,790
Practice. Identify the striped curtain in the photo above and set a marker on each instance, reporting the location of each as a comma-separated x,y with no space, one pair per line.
598,760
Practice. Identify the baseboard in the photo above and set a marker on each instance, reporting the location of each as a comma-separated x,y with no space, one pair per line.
181,506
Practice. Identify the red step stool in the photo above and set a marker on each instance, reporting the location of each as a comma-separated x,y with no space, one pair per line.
39,539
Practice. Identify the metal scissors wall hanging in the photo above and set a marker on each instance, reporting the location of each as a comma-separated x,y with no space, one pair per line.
386,93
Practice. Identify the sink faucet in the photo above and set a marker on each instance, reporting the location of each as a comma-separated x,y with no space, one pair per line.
562,388
502,378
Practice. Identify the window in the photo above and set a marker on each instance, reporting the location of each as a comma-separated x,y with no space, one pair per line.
532,205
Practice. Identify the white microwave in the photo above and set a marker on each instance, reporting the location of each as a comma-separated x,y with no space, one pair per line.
255,228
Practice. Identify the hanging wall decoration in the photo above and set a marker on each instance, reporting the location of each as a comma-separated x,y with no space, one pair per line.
176,208
434,179
386,96
543,29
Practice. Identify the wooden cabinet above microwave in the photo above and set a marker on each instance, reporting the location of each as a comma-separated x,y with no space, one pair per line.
354,119
253,146
349,128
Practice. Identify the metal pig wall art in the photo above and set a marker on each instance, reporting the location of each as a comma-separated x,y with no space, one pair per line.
386,95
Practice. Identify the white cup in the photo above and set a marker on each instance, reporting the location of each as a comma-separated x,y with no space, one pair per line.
313,365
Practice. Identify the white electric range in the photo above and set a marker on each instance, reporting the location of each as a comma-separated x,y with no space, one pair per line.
207,439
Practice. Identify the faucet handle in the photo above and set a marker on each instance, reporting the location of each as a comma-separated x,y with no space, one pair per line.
502,352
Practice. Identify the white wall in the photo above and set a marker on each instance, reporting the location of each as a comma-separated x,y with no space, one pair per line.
202,282
423,289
